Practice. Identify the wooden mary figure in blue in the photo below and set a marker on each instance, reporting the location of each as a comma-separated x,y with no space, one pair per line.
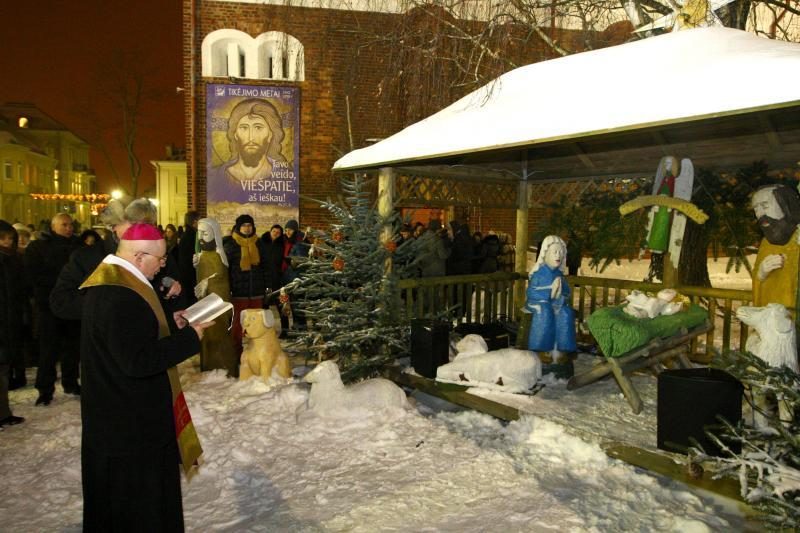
548,300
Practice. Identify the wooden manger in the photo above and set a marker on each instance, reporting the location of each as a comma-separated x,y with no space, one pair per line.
650,356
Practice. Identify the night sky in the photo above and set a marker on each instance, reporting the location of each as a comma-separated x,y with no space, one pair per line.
52,54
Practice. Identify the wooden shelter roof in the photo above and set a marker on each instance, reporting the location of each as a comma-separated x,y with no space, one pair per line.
722,97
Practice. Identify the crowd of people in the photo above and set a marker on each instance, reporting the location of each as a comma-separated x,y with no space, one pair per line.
42,271
452,250
107,306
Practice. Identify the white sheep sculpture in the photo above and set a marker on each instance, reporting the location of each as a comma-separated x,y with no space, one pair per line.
508,369
330,396
774,342
775,338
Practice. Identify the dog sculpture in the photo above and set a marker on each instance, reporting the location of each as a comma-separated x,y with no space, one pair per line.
262,353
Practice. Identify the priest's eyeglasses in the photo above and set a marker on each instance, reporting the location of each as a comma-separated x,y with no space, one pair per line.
161,258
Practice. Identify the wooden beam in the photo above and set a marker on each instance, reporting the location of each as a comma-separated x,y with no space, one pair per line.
521,255
452,393
673,466
585,159
480,173
770,133
385,209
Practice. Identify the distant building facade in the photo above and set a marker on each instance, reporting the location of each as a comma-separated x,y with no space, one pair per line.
354,85
44,168
171,187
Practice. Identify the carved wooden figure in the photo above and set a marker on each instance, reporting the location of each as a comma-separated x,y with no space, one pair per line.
262,353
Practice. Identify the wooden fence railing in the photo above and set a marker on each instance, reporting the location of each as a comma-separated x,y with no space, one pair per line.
488,297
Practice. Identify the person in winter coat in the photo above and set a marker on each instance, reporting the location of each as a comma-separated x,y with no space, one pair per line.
12,298
434,251
44,259
186,250
136,426
276,244
460,261
66,299
247,270
297,246
490,250
477,252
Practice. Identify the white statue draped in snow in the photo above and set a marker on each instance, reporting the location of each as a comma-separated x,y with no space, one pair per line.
509,369
330,397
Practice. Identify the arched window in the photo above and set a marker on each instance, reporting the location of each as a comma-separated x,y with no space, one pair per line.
270,56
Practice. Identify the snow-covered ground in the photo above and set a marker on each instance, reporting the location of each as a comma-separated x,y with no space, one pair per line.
422,470
430,469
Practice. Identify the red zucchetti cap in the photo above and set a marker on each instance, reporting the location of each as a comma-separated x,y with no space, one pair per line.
142,232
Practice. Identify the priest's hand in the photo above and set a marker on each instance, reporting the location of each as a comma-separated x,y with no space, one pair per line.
174,290
770,263
180,321
199,328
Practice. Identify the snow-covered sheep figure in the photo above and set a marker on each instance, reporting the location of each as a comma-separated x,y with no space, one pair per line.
775,338
774,342
508,369
642,306
329,394
471,344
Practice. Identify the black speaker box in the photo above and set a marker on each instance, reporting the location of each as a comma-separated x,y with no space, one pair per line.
689,401
430,346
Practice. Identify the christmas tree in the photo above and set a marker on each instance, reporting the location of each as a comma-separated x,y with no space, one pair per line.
345,290
768,467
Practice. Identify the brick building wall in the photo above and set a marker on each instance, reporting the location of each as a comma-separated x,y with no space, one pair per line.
346,70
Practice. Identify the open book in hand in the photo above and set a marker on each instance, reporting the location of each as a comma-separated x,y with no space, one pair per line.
207,309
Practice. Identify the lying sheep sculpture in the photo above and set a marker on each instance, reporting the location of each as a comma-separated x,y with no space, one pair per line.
329,395
508,369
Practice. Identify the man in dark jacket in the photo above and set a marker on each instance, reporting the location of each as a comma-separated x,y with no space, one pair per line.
136,424
247,270
460,263
12,297
44,259
186,252
66,298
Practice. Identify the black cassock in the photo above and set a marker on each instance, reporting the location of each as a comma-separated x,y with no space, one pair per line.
129,454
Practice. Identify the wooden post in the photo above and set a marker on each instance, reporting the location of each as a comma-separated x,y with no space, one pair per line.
521,255
385,207
670,277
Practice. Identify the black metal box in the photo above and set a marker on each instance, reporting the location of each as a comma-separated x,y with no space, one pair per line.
689,401
430,346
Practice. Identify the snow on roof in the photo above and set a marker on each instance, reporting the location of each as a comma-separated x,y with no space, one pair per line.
676,77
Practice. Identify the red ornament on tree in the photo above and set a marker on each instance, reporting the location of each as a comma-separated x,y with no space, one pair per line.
283,298
391,246
338,236
338,264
